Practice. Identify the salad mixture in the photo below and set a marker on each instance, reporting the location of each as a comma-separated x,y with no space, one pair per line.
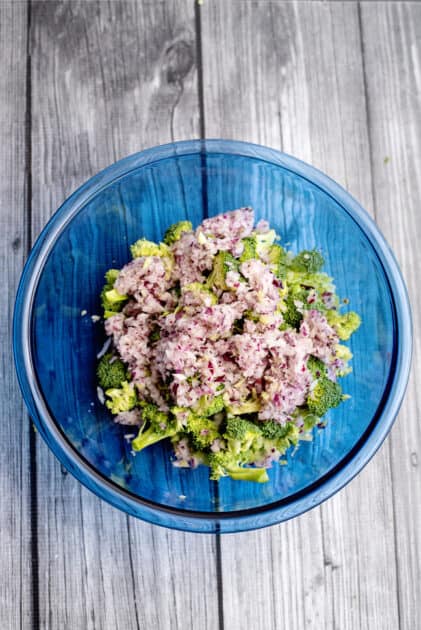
223,342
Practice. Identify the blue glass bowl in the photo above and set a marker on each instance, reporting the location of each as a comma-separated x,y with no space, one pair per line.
55,344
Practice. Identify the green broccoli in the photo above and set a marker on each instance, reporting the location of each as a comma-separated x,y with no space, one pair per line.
317,368
206,296
158,426
222,263
143,247
249,251
225,464
174,232
280,436
112,301
344,354
204,431
209,406
248,406
309,261
291,315
264,242
310,419
324,395
278,260
111,374
122,398
241,435
345,324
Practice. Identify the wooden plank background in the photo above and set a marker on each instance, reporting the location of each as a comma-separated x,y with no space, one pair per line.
85,83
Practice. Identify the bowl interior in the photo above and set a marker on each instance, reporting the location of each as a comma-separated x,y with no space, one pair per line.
143,203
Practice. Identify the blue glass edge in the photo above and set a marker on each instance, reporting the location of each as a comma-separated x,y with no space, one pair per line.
175,518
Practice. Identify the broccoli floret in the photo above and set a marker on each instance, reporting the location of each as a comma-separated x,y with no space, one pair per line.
209,406
278,260
248,406
222,263
324,395
345,324
111,276
272,430
225,464
264,242
310,419
249,251
344,354
203,431
158,426
205,295
309,261
143,247
122,398
111,375
291,315
317,368
241,435
112,301
175,231
280,436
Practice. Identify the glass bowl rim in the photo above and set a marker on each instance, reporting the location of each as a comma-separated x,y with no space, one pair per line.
273,512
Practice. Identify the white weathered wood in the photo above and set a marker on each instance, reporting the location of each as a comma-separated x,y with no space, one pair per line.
110,78
392,49
15,529
290,75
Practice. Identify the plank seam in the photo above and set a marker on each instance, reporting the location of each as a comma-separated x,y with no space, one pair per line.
367,111
199,65
32,434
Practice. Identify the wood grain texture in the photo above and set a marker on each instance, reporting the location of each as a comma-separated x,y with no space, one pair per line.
15,529
291,75
392,50
110,78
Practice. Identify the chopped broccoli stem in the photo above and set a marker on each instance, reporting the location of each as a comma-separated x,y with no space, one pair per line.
224,464
151,436
174,232
248,406
114,297
258,475
111,375
158,426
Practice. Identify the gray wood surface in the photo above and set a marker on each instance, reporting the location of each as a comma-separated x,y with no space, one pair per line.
300,86
108,79
336,84
15,428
